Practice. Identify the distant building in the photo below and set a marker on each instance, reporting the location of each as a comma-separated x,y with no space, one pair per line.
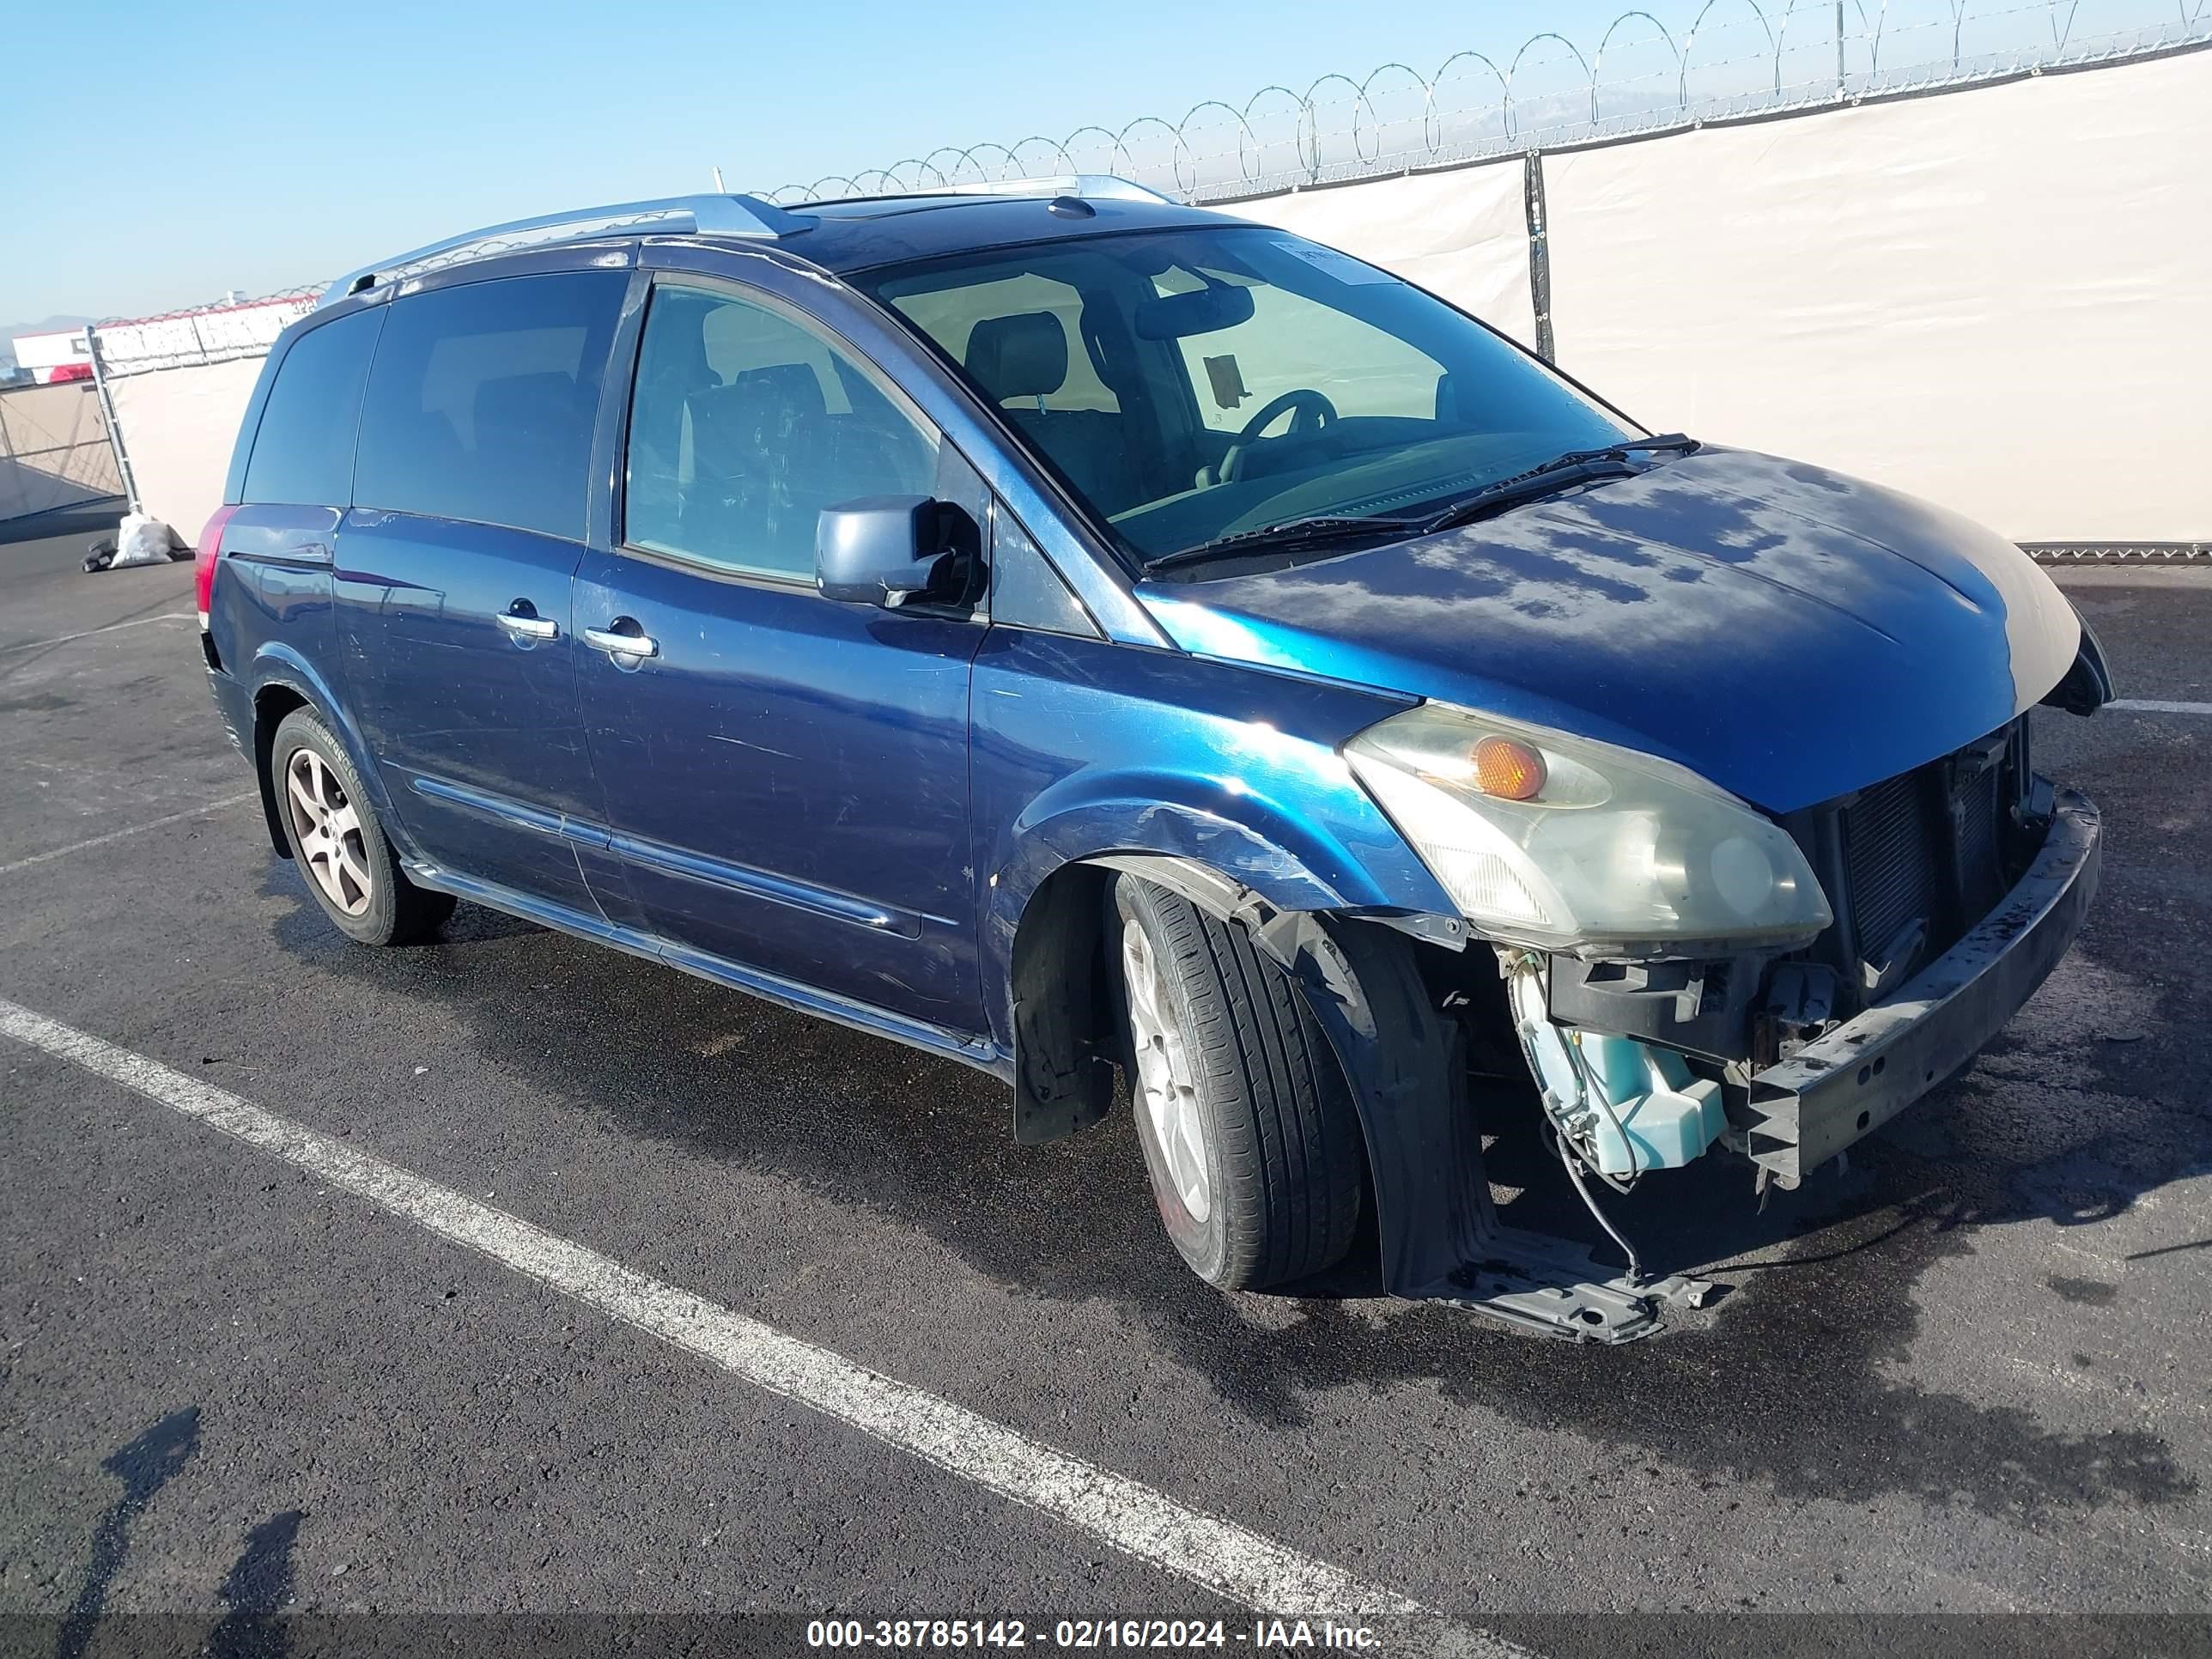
50,357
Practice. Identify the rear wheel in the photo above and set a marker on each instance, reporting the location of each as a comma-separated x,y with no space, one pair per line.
336,841
1249,1130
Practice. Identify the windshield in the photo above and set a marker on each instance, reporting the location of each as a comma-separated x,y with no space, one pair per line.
1190,385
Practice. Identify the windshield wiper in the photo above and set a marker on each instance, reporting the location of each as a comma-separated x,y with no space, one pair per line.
1323,531
1329,530
1576,466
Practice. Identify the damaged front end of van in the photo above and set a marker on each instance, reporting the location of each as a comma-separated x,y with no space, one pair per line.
1726,770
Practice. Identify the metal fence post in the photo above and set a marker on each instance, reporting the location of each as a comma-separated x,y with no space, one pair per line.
1540,255
107,416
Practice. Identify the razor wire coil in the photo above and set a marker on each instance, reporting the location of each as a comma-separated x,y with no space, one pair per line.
1733,58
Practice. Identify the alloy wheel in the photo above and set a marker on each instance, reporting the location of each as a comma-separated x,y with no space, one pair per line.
328,830
1163,1085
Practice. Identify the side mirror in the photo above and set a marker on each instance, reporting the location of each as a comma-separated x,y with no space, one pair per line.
878,550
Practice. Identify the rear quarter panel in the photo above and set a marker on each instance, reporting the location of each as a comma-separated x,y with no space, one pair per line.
272,621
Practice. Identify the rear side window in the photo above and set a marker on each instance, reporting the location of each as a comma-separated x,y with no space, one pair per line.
482,399
303,449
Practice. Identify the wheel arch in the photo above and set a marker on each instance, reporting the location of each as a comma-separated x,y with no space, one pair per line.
284,681
272,704
1361,976
1337,854
1058,1012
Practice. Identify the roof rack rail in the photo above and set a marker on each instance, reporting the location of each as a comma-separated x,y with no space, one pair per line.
708,216
1099,187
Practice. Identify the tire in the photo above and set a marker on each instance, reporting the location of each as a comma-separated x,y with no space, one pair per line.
350,867
1233,1086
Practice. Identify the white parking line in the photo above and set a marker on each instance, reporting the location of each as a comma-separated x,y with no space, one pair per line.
2154,706
1219,1555
134,829
136,622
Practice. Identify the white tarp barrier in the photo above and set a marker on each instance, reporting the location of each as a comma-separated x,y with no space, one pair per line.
1996,299
179,425
1463,234
2000,299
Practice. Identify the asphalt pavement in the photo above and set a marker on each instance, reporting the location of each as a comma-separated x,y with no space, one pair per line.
258,1399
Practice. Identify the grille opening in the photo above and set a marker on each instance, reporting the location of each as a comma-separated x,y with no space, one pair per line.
1890,860
1937,845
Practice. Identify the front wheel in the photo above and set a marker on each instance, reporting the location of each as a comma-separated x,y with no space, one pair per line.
337,843
1248,1127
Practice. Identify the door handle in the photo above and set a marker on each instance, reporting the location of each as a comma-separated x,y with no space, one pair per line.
528,628
622,644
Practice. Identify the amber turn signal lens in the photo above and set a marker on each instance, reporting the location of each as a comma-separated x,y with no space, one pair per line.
1507,769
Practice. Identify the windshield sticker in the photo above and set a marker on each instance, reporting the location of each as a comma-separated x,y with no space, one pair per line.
1342,266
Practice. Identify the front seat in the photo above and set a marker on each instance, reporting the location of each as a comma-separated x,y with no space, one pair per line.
1025,357
763,446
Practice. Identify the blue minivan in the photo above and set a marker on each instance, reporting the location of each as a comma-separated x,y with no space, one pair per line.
1078,633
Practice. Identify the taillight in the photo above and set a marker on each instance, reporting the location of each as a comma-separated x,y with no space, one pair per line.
209,550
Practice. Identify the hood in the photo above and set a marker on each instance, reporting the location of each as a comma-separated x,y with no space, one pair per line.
1787,632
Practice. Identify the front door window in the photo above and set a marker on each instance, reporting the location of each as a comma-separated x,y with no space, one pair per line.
745,425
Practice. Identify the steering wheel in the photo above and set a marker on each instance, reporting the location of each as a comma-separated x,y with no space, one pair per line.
1304,401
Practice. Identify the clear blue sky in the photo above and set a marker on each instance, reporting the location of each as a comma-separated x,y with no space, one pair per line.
156,155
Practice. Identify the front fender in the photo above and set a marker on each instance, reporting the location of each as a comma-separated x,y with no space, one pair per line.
1087,749
1292,855
1296,860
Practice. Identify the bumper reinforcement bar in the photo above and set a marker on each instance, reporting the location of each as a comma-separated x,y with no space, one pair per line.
1849,1083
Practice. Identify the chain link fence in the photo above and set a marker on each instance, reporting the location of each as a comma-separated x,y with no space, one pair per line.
54,450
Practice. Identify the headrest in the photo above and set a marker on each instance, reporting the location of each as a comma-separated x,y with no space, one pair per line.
763,409
724,431
1023,355
678,361
792,389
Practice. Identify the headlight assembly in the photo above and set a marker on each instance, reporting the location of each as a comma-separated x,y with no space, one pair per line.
1566,844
